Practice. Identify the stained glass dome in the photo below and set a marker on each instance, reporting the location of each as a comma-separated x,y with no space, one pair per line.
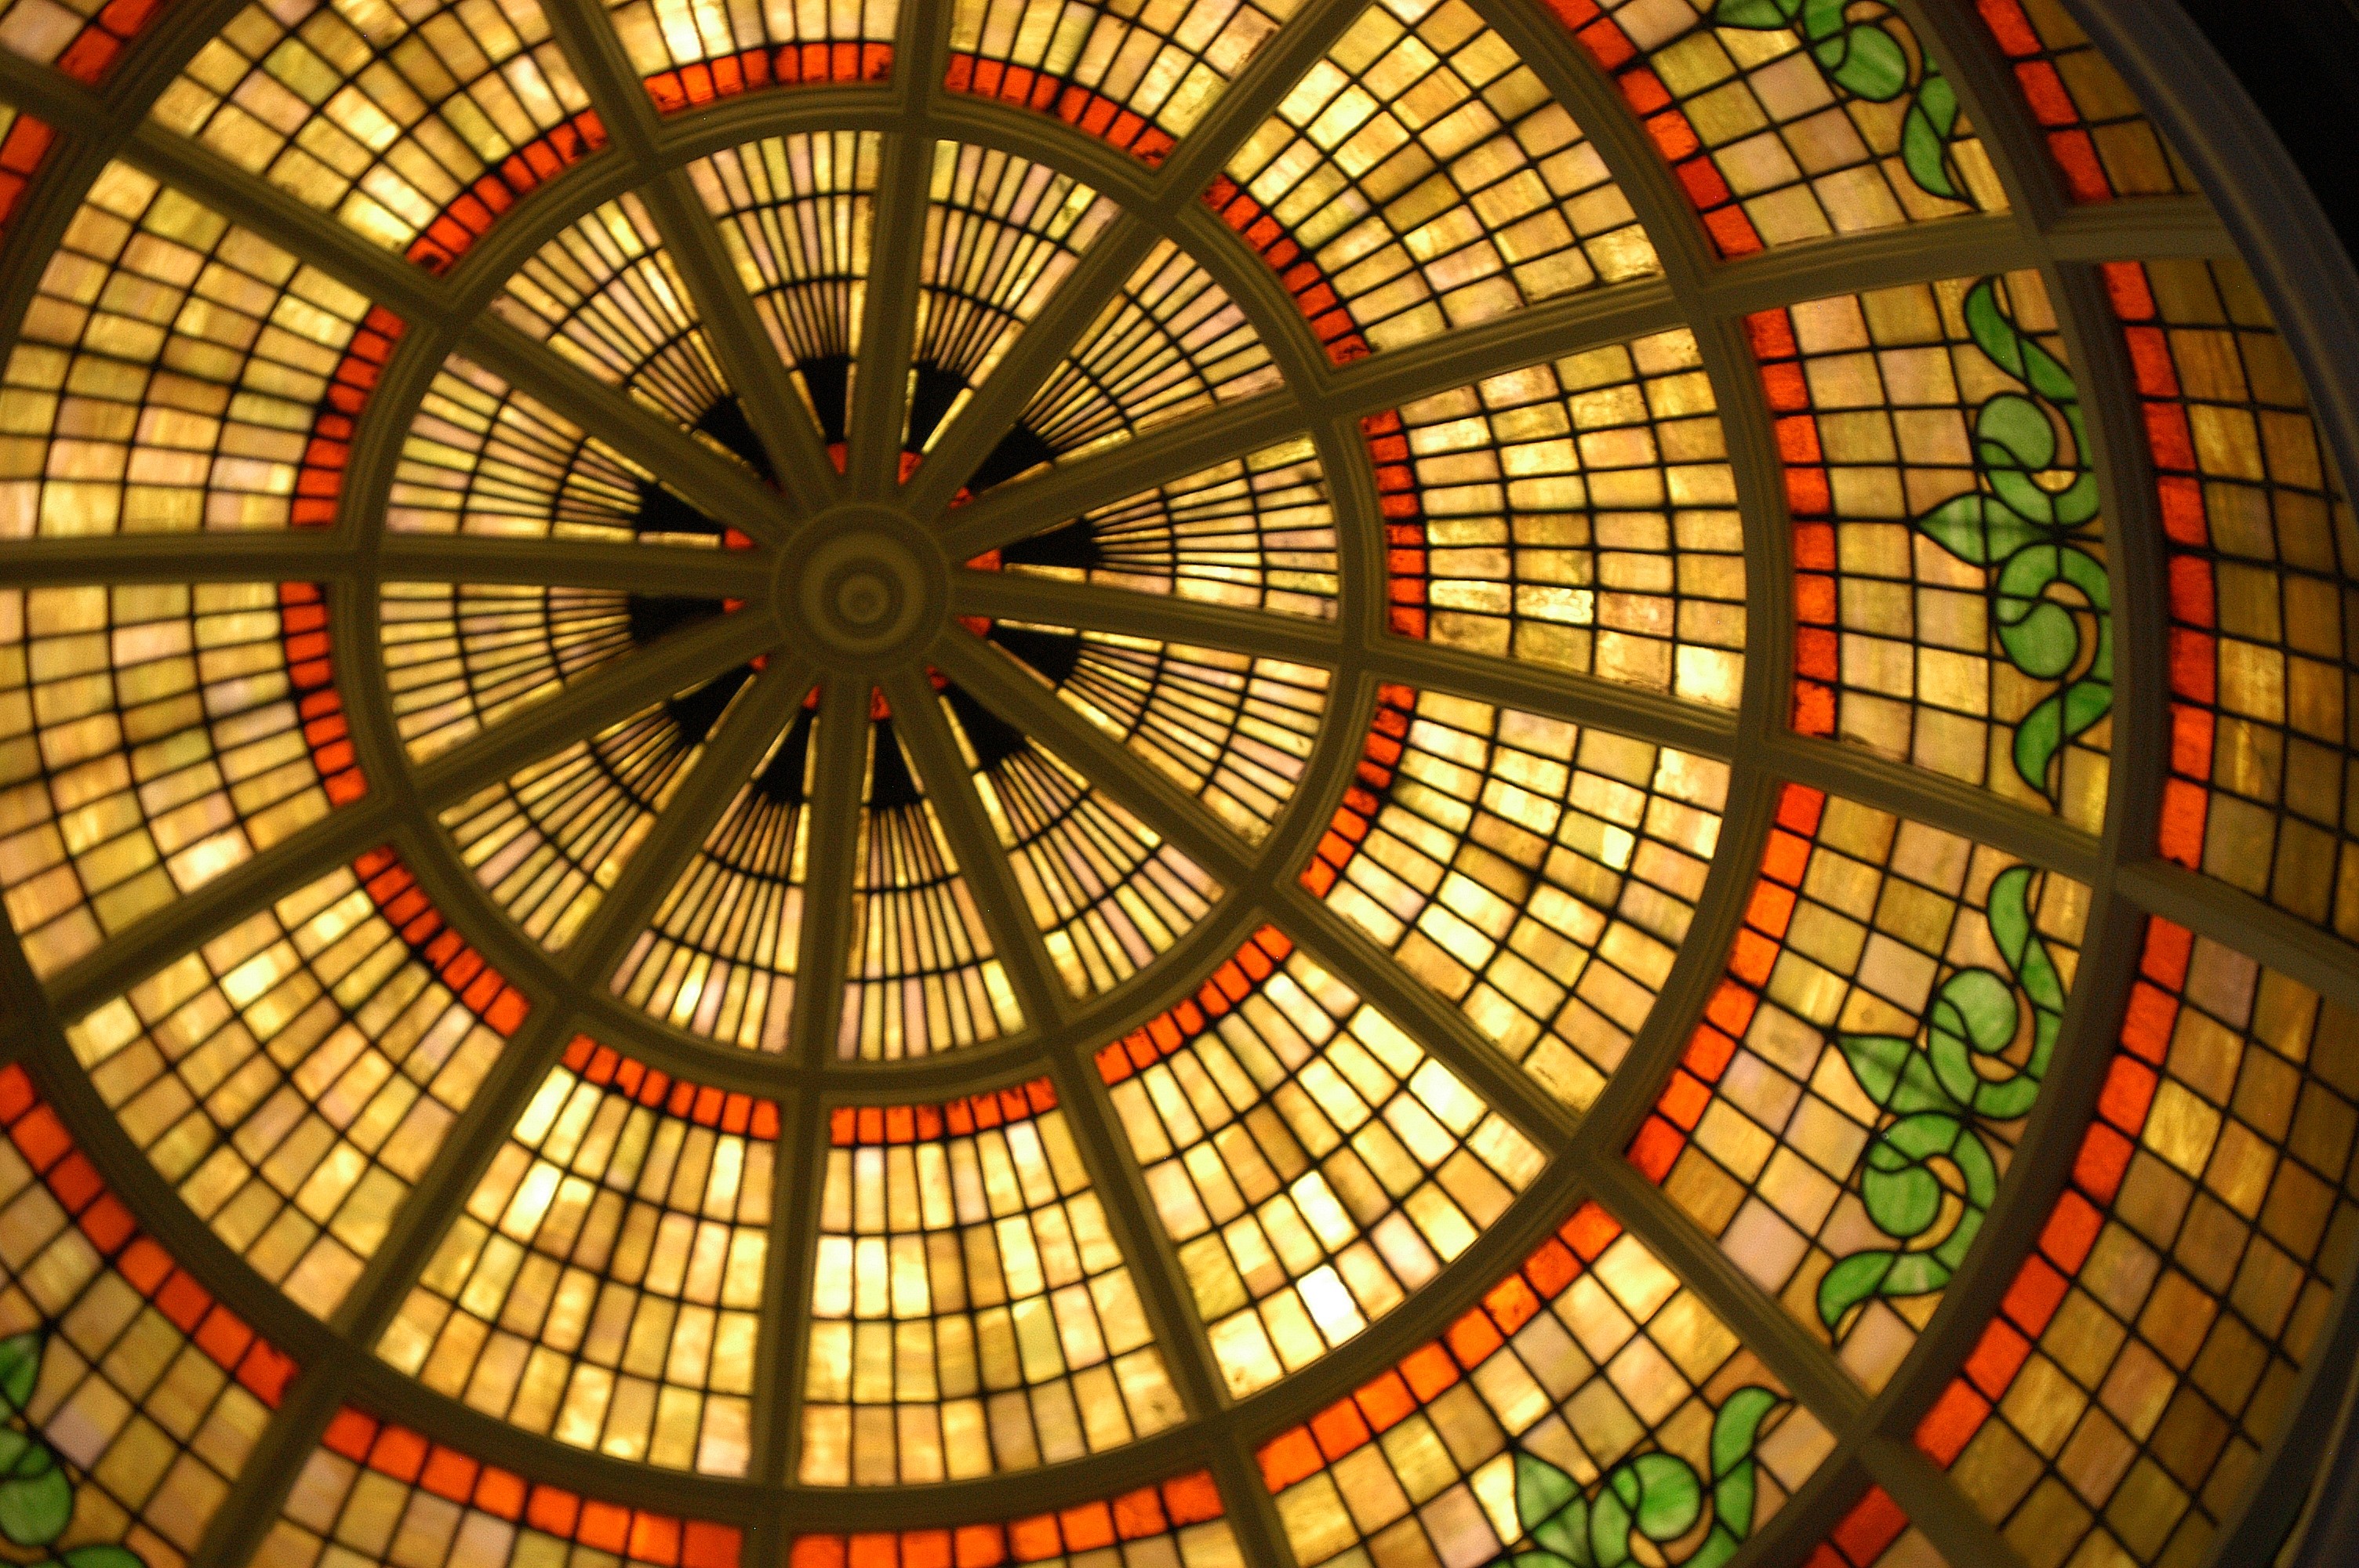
1494,784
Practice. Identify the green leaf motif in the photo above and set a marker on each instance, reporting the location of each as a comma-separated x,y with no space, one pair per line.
1866,59
1655,1497
20,1370
2022,529
35,1499
1941,1096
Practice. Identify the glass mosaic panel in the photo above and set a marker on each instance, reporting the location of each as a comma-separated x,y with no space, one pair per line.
2263,554
923,975
176,373
1138,73
151,739
1950,588
416,125
693,54
1591,1401
293,1076
1311,1163
1843,1115
377,1494
602,1283
2150,1349
1787,121
1538,875
971,1312
1430,181
132,1399
1581,514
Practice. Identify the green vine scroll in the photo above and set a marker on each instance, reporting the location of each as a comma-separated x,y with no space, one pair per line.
1943,1094
2023,528
1657,1497
37,1497
1867,57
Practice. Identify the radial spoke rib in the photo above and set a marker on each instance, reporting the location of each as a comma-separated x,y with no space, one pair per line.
1017,511
840,771
675,569
258,557
1089,607
1045,341
722,764
1561,693
889,323
950,789
994,680
683,659
132,954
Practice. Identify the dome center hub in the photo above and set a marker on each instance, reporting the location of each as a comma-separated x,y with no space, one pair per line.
862,584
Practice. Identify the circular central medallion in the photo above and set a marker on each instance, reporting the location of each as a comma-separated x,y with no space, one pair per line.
863,584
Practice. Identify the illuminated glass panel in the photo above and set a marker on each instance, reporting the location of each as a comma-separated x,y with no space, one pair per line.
81,38
1108,895
460,657
1001,233
971,1312
377,1494
1540,876
2149,1352
1430,180
1876,1534
1171,344
121,1365
692,54
2104,145
176,373
1311,1163
796,213
922,975
1256,532
605,294
24,142
1232,731
1138,74
1583,515
1950,557
548,841
604,1282
1843,1115
151,739
1175,1525
2262,555
1591,1395
1779,135
481,457
293,1076
388,118
718,957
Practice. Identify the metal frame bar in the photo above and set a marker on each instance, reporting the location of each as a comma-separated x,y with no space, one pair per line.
1709,297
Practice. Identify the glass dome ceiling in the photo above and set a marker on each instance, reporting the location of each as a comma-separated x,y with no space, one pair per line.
829,785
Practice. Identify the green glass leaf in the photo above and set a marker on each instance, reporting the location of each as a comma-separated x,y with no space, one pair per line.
1903,1203
1850,1282
1671,1499
20,1368
1755,15
1978,530
1540,1489
102,1556
1871,63
1895,1074
1925,134
35,1499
